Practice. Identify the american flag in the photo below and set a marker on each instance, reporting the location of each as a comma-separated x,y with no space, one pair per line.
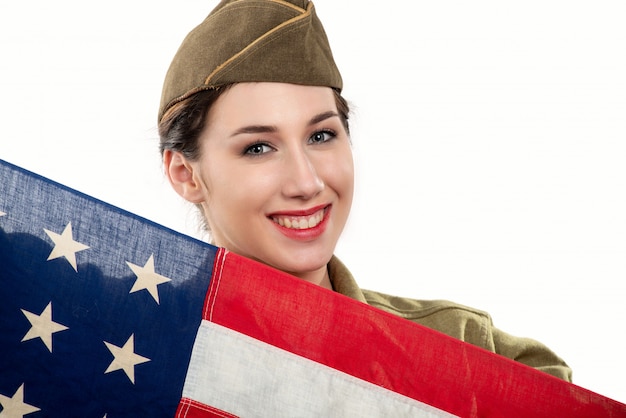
106,314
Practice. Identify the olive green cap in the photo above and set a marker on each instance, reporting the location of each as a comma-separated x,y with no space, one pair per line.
248,41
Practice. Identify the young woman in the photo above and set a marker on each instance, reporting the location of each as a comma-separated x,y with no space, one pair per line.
254,131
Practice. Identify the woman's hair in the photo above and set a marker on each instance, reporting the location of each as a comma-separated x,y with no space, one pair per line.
181,126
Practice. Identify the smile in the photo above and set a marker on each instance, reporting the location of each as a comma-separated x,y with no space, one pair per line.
300,222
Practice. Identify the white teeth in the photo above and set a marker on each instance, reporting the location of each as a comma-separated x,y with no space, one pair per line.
300,222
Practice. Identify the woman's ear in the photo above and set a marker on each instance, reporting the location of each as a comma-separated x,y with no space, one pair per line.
180,172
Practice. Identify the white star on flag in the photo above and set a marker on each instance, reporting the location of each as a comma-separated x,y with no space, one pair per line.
2,213
125,358
147,278
65,246
14,407
42,326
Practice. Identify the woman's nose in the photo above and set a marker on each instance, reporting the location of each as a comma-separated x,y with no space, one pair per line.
301,179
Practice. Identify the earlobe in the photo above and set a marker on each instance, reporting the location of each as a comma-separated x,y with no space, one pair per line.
181,175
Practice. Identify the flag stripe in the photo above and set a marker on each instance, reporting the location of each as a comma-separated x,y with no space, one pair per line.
190,408
263,380
386,350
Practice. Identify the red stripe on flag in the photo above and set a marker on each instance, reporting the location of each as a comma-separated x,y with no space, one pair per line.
386,350
188,408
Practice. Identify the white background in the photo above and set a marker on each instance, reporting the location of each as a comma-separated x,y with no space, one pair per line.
489,137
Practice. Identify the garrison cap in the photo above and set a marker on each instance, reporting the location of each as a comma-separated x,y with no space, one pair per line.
252,41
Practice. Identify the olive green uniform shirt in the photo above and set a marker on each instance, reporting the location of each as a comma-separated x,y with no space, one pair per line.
458,321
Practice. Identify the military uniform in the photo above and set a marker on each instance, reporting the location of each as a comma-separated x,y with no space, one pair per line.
458,321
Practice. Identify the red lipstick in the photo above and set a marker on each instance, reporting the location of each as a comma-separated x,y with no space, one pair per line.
295,224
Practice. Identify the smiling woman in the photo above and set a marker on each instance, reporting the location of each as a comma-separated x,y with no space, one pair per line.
273,175
254,132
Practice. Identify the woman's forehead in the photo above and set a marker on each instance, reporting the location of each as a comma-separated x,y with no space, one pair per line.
277,102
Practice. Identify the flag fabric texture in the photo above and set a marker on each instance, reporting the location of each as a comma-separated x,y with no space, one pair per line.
106,314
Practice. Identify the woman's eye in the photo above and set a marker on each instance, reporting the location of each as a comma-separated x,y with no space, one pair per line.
257,149
321,136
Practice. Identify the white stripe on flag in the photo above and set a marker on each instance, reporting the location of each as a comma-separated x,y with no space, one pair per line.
247,377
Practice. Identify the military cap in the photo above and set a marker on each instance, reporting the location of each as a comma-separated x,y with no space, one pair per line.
252,41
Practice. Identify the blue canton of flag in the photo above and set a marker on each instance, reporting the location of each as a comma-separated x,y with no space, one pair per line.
98,308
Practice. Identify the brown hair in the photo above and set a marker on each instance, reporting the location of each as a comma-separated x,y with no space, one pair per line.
181,126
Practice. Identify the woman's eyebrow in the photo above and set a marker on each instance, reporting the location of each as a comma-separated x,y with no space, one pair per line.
255,129
323,116
259,129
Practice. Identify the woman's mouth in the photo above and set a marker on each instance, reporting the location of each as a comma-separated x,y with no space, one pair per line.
300,222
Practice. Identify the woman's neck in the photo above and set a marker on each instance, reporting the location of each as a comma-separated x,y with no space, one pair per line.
318,277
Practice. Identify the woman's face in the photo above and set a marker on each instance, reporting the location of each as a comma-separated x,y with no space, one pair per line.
277,175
